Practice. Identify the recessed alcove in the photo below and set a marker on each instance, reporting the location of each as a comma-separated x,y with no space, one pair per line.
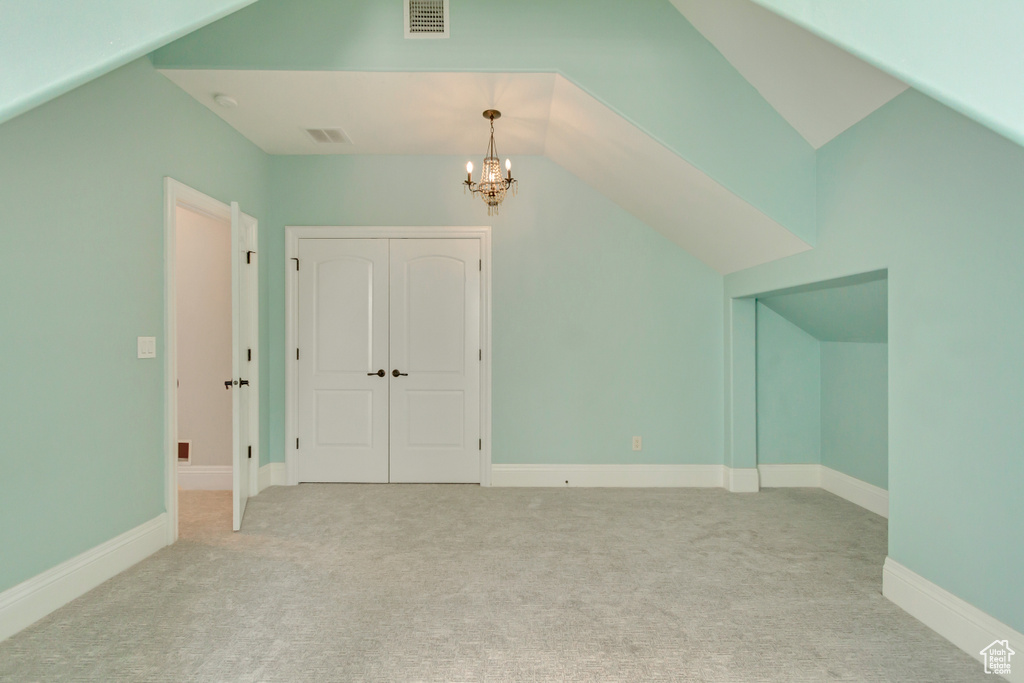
822,381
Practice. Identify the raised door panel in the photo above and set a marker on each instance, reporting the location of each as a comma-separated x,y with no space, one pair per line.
435,341
343,338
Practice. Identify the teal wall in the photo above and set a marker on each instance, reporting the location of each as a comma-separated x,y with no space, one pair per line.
612,323
789,392
939,201
855,410
963,53
602,328
642,58
81,271
740,383
49,48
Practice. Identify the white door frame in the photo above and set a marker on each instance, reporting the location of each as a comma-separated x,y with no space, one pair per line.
177,195
294,233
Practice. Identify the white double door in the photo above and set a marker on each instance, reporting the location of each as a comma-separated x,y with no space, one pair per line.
389,360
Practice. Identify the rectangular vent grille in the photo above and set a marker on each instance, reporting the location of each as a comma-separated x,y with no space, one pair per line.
327,135
426,18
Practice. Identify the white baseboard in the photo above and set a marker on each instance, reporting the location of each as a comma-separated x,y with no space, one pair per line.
31,600
957,621
788,476
273,474
861,493
205,477
868,496
625,476
742,480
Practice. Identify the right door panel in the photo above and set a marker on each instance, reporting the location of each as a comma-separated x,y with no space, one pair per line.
435,346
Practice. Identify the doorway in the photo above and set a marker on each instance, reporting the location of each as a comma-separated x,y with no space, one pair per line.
203,350
388,369
210,371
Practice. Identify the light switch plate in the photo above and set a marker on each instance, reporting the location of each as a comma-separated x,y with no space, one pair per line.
147,347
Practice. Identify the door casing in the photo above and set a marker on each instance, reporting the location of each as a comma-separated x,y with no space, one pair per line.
292,236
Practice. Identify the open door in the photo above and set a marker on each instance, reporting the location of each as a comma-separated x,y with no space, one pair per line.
244,366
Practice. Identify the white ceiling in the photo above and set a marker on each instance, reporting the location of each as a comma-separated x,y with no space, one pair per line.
440,113
380,112
820,89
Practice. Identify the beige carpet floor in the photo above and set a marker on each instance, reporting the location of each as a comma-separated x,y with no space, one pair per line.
462,583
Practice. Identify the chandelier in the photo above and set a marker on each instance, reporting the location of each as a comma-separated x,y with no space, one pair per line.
492,187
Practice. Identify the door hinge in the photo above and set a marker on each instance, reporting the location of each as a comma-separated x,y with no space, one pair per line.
296,262
249,355
481,354
296,353
481,265
248,256
250,452
480,445
296,443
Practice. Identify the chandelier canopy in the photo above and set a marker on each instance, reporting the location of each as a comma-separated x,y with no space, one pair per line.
492,187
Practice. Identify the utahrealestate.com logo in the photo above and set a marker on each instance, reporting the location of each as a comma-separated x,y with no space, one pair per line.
997,657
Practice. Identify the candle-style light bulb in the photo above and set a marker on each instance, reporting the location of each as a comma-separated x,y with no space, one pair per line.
508,168
469,171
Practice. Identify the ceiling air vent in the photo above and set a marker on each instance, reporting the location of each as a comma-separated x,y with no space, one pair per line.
426,18
326,136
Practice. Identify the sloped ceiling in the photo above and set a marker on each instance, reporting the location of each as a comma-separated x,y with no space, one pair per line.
818,88
851,309
440,113
965,54
50,48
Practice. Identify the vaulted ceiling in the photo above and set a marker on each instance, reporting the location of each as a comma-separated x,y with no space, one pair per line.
820,89
49,48
706,135
816,88
440,113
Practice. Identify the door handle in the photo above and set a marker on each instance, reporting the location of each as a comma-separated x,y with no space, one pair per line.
228,383
396,373
379,373
243,382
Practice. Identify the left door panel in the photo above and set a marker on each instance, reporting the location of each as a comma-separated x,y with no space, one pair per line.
343,344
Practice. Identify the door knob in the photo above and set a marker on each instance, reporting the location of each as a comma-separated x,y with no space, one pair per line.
396,373
379,373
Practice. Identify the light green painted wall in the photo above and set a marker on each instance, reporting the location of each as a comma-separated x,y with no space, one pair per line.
855,410
939,201
49,48
81,271
602,328
789,400
740,383
964,53
641,58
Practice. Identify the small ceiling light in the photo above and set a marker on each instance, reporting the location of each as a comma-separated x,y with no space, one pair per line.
492,187
225,101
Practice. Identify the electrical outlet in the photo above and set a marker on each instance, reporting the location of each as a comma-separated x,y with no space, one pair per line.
638,443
